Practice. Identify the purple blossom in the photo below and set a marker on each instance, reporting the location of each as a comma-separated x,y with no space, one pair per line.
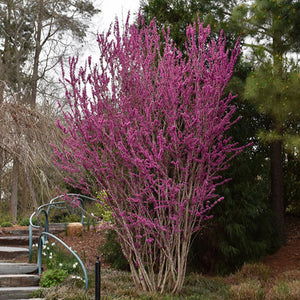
152,134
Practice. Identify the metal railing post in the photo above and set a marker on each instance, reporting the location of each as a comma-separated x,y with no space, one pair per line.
97,279
39,254
30,243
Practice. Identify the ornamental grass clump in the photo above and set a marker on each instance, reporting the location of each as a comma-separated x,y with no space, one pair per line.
147,124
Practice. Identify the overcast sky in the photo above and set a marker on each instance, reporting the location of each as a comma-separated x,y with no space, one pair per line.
109,10
112,8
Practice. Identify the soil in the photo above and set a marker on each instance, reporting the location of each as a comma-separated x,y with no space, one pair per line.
287,258
87,245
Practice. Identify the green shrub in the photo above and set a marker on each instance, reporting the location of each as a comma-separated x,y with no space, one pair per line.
53,277
6,224
65,214
100,210
112,252
26,222
104,212
5,215
40,293
71,218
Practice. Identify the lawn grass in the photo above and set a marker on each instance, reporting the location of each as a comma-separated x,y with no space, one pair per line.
253,281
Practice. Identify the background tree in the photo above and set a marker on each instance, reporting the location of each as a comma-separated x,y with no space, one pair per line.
179,13
273,86
151,134
25,134
16,34
34,36
55,19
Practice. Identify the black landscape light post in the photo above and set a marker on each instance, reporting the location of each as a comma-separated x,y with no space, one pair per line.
98,279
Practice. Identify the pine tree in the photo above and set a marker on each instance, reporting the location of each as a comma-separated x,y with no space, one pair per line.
179,13
273,86
16,44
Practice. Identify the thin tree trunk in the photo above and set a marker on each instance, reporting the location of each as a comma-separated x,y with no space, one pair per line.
32,193
1,174
14,189
277,194
1,90
24,205
35,73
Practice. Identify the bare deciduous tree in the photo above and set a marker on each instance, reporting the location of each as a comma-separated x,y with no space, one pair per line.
25,134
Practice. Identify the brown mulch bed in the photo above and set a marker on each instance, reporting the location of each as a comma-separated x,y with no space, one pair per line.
288,256
87,245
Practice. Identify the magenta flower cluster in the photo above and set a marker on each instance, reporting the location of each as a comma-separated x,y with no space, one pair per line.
147,123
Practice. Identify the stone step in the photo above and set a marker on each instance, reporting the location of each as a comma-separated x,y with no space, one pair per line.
7,293
53,228
12,252
18,280
13,240
18,268
20,230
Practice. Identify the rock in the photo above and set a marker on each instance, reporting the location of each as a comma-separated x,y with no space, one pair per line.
74,229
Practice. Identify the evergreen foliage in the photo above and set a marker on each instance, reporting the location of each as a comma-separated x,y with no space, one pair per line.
273,85
112,251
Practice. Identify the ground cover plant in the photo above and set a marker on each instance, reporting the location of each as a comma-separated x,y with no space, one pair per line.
147,124
247,283
58,265
6,224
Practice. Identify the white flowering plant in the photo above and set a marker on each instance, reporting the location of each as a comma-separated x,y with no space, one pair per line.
55,256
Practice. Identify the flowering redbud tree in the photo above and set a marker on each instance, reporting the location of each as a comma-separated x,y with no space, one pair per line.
147,125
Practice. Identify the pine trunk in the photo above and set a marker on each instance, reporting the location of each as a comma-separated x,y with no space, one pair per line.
277,195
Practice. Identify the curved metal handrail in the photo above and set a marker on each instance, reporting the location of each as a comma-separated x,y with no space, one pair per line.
39,258
52,203
46,225
44,235
78,197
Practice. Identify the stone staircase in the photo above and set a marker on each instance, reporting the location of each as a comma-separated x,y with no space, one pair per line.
18,278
